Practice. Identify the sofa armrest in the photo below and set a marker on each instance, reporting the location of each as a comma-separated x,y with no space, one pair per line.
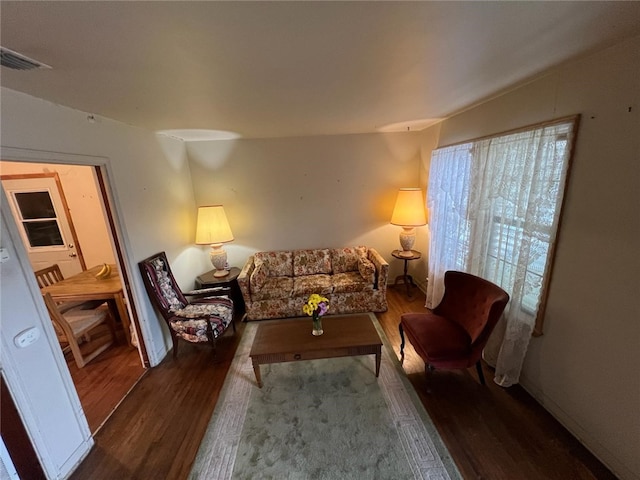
244,279
382,269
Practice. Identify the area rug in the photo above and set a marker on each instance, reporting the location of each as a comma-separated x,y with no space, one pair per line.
321,419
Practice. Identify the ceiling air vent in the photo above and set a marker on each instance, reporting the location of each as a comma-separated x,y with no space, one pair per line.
16,61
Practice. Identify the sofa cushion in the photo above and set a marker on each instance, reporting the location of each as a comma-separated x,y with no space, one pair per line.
349,282
191,330
440,339
311,262
367,270
308,284
259,277
346,259
274,288
279,264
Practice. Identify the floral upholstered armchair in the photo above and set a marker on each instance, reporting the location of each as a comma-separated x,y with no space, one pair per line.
201,321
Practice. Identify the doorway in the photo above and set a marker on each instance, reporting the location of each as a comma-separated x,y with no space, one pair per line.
64,217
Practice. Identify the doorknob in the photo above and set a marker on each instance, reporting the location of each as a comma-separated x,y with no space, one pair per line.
73,254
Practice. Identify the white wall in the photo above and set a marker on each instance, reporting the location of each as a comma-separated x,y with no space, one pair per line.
154,202
585,368
84,201
309,192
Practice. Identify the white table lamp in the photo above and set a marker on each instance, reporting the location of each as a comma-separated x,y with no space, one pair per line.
409,213
213,229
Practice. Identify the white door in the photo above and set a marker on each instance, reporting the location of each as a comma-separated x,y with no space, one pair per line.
40,210
35,371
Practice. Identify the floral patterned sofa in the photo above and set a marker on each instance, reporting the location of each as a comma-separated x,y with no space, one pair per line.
277,284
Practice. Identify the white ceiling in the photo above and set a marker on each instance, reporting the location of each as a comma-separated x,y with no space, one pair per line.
271,69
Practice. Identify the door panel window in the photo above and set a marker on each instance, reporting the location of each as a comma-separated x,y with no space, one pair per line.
35,205
39,219
43,233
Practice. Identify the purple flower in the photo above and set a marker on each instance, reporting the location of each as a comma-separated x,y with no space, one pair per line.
323,307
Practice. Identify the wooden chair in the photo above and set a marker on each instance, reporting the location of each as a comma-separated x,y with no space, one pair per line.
200,321
76,324
454,334
52,275
49,276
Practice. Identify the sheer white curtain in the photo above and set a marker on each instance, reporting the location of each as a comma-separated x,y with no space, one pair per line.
494,206
449,216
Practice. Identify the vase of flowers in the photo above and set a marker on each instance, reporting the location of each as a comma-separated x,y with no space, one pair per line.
316,307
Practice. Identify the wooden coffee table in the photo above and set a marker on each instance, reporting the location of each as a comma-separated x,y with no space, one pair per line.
291,341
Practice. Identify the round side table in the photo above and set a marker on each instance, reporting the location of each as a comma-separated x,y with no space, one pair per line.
405,277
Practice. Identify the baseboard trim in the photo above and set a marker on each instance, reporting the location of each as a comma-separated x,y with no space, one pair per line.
602,453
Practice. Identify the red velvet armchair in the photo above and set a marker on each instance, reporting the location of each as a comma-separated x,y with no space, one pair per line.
455,333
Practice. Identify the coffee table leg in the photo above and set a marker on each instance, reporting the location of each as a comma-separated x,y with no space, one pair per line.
256,370
378,358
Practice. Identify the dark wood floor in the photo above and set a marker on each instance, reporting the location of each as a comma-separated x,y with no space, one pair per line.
491,432
104,381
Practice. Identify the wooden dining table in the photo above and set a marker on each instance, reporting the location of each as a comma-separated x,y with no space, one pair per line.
84,286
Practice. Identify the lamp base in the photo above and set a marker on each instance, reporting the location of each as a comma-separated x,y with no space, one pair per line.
218,257
405,253
407,240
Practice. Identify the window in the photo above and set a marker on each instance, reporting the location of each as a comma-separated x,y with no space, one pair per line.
494,211
501,255
39,219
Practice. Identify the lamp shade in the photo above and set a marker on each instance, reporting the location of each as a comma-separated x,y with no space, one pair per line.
409,210
212,226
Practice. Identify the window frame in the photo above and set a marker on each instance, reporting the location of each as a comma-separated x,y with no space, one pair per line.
538,329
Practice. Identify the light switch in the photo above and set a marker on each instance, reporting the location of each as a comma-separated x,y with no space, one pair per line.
26,337
4,255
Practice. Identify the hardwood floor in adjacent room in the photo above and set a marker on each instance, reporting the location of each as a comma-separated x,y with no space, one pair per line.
491,432
103,382
156,431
